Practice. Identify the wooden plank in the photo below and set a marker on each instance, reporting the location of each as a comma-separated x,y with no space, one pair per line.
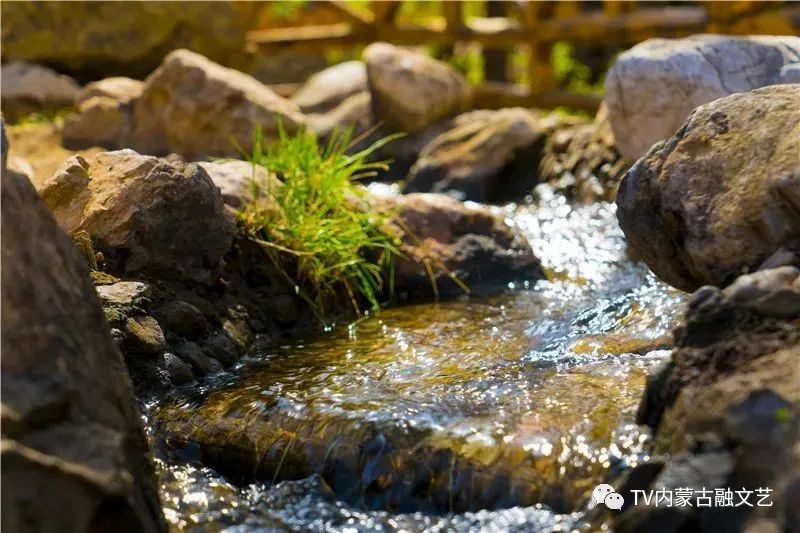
592,27
309,38
348,14
383,12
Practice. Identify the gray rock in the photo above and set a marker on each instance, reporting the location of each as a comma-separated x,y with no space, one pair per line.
182,318
27,87
652,88
72,436
222,348
200,362
179,372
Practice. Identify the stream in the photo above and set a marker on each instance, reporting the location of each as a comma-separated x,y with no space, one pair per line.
492,414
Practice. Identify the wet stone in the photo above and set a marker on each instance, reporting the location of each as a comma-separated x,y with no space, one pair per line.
143,336
201,364
182,318
179,372
222,348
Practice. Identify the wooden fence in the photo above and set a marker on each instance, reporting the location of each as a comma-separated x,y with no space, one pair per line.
536,26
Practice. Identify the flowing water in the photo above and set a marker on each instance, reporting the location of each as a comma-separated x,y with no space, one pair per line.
477,414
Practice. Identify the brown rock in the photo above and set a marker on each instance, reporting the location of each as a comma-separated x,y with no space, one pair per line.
327,89
725,409
197,108
143,336
484,156
411,90
155,216
71,430
720,196
450,248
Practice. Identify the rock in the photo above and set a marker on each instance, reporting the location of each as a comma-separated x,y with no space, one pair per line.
72,438
411,90
730,390
123,293
236,327
27,88
235,180
450,248
20,165
652,88
3,145
484,156
580,159
123,90
179,372
327,89
353,113
222,348
154,216
197,108
722,195
143,336
104,116
201,363
182,318
94,38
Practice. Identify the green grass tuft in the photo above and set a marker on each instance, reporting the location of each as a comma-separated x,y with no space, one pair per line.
314,225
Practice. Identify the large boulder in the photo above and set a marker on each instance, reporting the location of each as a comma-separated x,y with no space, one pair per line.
105,114
722,194
149,215
652,88
197,108
484,156
450,248
724,410
27,88
74,454
327,89
411,90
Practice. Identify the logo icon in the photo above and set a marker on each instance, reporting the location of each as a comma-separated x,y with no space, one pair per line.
605,494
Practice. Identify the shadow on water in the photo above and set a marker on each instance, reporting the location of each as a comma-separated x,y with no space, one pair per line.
500,412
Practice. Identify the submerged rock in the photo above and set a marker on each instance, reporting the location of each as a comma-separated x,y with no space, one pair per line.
723,194
197,108
652,88
483,156
450,248
74,455
725,408
27,88
148,214
411,90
